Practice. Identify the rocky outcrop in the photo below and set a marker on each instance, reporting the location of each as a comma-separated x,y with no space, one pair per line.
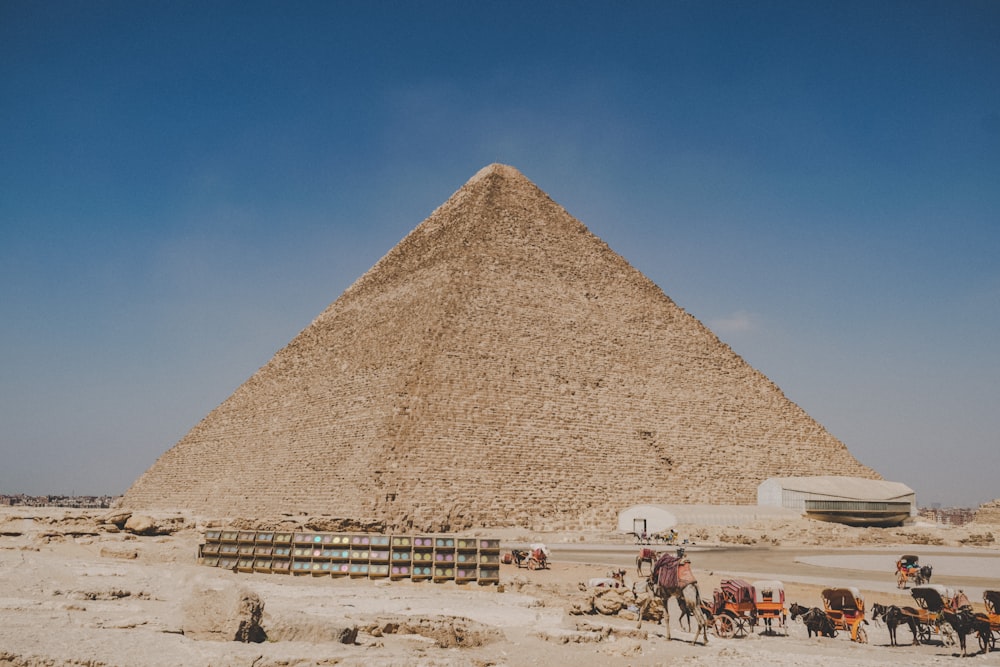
989,513
446,631
229,613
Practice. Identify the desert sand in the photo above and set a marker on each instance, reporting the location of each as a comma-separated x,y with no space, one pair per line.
76,590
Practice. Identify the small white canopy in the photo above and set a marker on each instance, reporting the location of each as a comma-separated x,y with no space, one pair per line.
776,588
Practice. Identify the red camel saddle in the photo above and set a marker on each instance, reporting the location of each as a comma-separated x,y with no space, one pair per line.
673,572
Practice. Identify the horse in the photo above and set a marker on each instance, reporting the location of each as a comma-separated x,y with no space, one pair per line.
646,555
894,617
688,599
924,576
965,622
519,556
815,620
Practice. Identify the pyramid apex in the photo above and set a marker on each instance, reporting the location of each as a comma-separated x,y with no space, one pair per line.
502,170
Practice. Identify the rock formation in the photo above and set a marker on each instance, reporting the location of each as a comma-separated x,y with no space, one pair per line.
989,513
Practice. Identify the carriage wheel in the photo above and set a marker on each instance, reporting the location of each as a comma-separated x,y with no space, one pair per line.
923,633
742,626
947,638
861,637
724,626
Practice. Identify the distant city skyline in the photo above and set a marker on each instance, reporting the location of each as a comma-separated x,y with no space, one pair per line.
185,186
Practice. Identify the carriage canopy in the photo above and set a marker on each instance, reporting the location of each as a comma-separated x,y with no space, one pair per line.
843,599
738,590
933,597
992,601
770,590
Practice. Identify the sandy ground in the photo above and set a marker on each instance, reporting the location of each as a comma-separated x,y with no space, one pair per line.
74,591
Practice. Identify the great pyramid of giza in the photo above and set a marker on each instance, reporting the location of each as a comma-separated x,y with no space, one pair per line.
501,366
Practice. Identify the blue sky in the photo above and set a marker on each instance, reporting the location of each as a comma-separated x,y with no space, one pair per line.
184,186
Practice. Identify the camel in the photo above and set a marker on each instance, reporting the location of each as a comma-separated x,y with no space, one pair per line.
646,555
894,617
688,598
615,579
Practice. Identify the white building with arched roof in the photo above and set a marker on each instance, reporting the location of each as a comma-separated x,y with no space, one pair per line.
849,500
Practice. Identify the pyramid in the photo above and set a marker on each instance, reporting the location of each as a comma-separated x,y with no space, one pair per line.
500,366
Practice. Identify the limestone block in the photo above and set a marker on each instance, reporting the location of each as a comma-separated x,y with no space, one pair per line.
225,613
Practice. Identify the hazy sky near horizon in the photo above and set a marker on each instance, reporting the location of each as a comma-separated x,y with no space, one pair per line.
184,186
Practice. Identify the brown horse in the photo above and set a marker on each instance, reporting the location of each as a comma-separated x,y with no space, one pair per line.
894,617
688,599
815,620
965,622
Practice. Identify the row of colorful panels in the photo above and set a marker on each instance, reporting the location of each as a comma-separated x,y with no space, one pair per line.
485,575
360,555
352,540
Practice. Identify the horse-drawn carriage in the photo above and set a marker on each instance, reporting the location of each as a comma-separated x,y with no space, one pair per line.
908,569
737,606
846,610
988,641
932,601
770,604
733,608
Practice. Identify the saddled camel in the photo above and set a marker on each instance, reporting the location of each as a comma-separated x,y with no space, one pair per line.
688,599
646,555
